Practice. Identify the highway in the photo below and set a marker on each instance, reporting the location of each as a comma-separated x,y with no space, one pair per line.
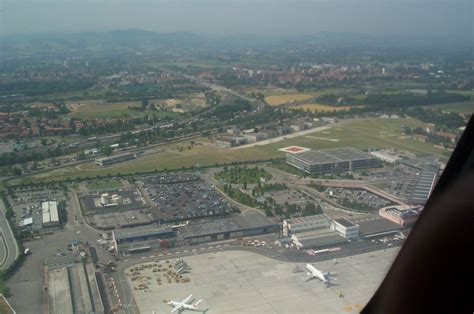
209,84
8,245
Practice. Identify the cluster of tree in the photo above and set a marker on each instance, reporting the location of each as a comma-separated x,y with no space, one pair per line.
15,158
213,98
228,111
336,100
239,196
409,100
357,206
62,109
268,187
161,90
449,120
243,175
36,88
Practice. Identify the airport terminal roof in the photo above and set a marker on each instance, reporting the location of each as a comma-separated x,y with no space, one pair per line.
423,187
369,227
308,219
121,234
230,224
344,222
332,155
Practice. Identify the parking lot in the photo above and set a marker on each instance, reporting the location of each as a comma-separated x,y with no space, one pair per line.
183,196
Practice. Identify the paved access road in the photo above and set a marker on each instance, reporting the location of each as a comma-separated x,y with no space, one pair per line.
8,245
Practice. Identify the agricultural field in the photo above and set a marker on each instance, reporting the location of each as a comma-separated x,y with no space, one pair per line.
279,96
277,100
323,108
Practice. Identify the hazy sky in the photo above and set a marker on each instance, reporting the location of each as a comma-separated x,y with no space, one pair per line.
443,18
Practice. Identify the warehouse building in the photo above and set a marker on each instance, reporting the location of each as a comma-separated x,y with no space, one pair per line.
333,161
105,161
50,216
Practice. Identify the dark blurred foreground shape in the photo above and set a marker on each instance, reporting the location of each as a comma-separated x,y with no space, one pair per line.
434,270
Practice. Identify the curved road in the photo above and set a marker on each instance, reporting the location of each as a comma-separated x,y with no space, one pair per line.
9,251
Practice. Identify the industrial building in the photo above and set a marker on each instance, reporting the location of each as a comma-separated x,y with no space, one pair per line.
105,161
49,211
318,231
402,215
333,160
142,238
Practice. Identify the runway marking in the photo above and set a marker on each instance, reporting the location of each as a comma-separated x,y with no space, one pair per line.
210,247
218,246
177,252
185,251
201,249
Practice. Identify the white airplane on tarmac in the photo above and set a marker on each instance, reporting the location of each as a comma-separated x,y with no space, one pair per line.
183,305
313,272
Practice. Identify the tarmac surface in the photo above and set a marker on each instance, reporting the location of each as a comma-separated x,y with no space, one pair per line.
246,282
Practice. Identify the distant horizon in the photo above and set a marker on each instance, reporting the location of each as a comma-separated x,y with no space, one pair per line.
449,20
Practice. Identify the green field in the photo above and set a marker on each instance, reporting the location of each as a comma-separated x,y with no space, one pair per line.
98,109
358,133
457,107
103,184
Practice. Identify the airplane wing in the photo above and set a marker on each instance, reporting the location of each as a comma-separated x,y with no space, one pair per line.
187,299
310,277
177,307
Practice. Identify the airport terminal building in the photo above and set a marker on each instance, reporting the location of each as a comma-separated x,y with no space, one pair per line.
333,160
138,239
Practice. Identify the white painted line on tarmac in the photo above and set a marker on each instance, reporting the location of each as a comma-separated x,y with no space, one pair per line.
201,249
